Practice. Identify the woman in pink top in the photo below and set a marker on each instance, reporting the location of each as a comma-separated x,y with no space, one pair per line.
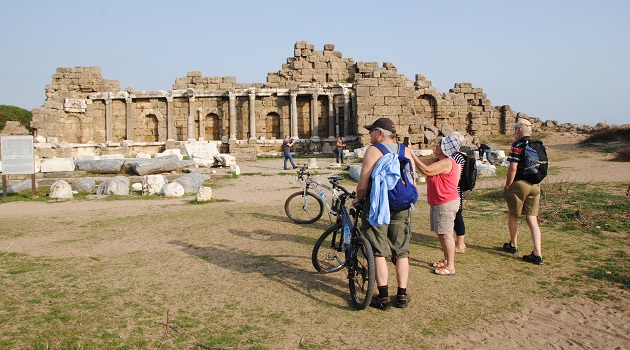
442,179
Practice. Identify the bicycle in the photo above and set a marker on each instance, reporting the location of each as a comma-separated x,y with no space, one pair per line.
356,250
307,206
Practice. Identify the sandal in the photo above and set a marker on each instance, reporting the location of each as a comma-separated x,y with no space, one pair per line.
444,271
440,264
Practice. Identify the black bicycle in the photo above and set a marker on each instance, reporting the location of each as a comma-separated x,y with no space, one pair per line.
343,245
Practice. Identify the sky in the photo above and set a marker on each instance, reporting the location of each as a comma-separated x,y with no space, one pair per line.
559,60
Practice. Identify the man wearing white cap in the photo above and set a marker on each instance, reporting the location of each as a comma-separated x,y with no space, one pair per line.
522,197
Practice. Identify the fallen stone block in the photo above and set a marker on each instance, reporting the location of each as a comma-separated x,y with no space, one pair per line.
21,186
486,170
157,165
153,184
191,182
61,190
204,194
84,184
355,171
57,165
225,159
173,190
107,166
118,185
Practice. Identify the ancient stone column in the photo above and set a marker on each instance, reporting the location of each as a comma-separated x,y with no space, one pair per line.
129,110
314,118
232,97
108,119
252,115
191,115
337,112
294,124
202,125
331,120
346,113
170,122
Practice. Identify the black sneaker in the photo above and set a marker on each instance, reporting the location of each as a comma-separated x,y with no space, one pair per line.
538,260
402,301
381,303
507,247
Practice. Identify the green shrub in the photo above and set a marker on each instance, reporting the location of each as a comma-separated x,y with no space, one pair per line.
12,113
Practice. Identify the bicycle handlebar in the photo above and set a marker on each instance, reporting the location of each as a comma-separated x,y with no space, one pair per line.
302,173
334,180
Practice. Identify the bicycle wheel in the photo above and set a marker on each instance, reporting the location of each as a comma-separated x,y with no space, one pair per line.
361,274
304,209
328,255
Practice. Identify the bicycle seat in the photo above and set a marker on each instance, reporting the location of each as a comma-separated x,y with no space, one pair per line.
335,178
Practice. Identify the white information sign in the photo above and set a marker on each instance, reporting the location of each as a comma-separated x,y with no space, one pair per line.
18,155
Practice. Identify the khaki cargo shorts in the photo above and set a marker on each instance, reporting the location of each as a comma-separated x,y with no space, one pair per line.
522,198
442,217
393,237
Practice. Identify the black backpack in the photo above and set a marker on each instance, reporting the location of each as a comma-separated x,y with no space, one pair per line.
404,194
469,176
535,162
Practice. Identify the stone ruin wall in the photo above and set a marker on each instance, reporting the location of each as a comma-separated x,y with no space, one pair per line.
315,96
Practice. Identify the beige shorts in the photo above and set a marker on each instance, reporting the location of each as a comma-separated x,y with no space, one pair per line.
522,198
443,217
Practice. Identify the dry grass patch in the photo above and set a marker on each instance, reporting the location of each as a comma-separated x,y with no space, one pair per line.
238,275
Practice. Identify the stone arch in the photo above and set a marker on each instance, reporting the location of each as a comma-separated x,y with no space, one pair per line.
72,130
152,128
212,127
425,106
272,126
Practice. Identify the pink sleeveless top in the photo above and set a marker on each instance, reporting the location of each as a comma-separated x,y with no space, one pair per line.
442,188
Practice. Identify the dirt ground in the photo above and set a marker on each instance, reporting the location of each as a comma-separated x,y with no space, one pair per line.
584,324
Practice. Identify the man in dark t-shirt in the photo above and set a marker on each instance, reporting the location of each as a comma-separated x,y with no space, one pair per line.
484,151
286,150
522,197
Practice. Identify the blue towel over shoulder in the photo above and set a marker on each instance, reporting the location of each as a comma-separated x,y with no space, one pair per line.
385,175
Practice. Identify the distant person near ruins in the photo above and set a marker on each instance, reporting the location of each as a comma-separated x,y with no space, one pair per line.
339,149
484,151
522,197
286,149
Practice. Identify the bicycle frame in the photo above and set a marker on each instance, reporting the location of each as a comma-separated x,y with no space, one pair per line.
358,258
316,185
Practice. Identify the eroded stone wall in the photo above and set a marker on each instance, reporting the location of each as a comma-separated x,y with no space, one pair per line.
315,96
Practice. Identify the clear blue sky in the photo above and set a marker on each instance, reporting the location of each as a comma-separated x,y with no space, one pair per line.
553,59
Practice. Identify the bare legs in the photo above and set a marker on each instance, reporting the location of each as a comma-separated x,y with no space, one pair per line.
532,222
448,247
513,227
534,229
460,246
380,264
402,271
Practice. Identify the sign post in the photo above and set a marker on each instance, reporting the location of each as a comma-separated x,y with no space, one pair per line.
18,158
